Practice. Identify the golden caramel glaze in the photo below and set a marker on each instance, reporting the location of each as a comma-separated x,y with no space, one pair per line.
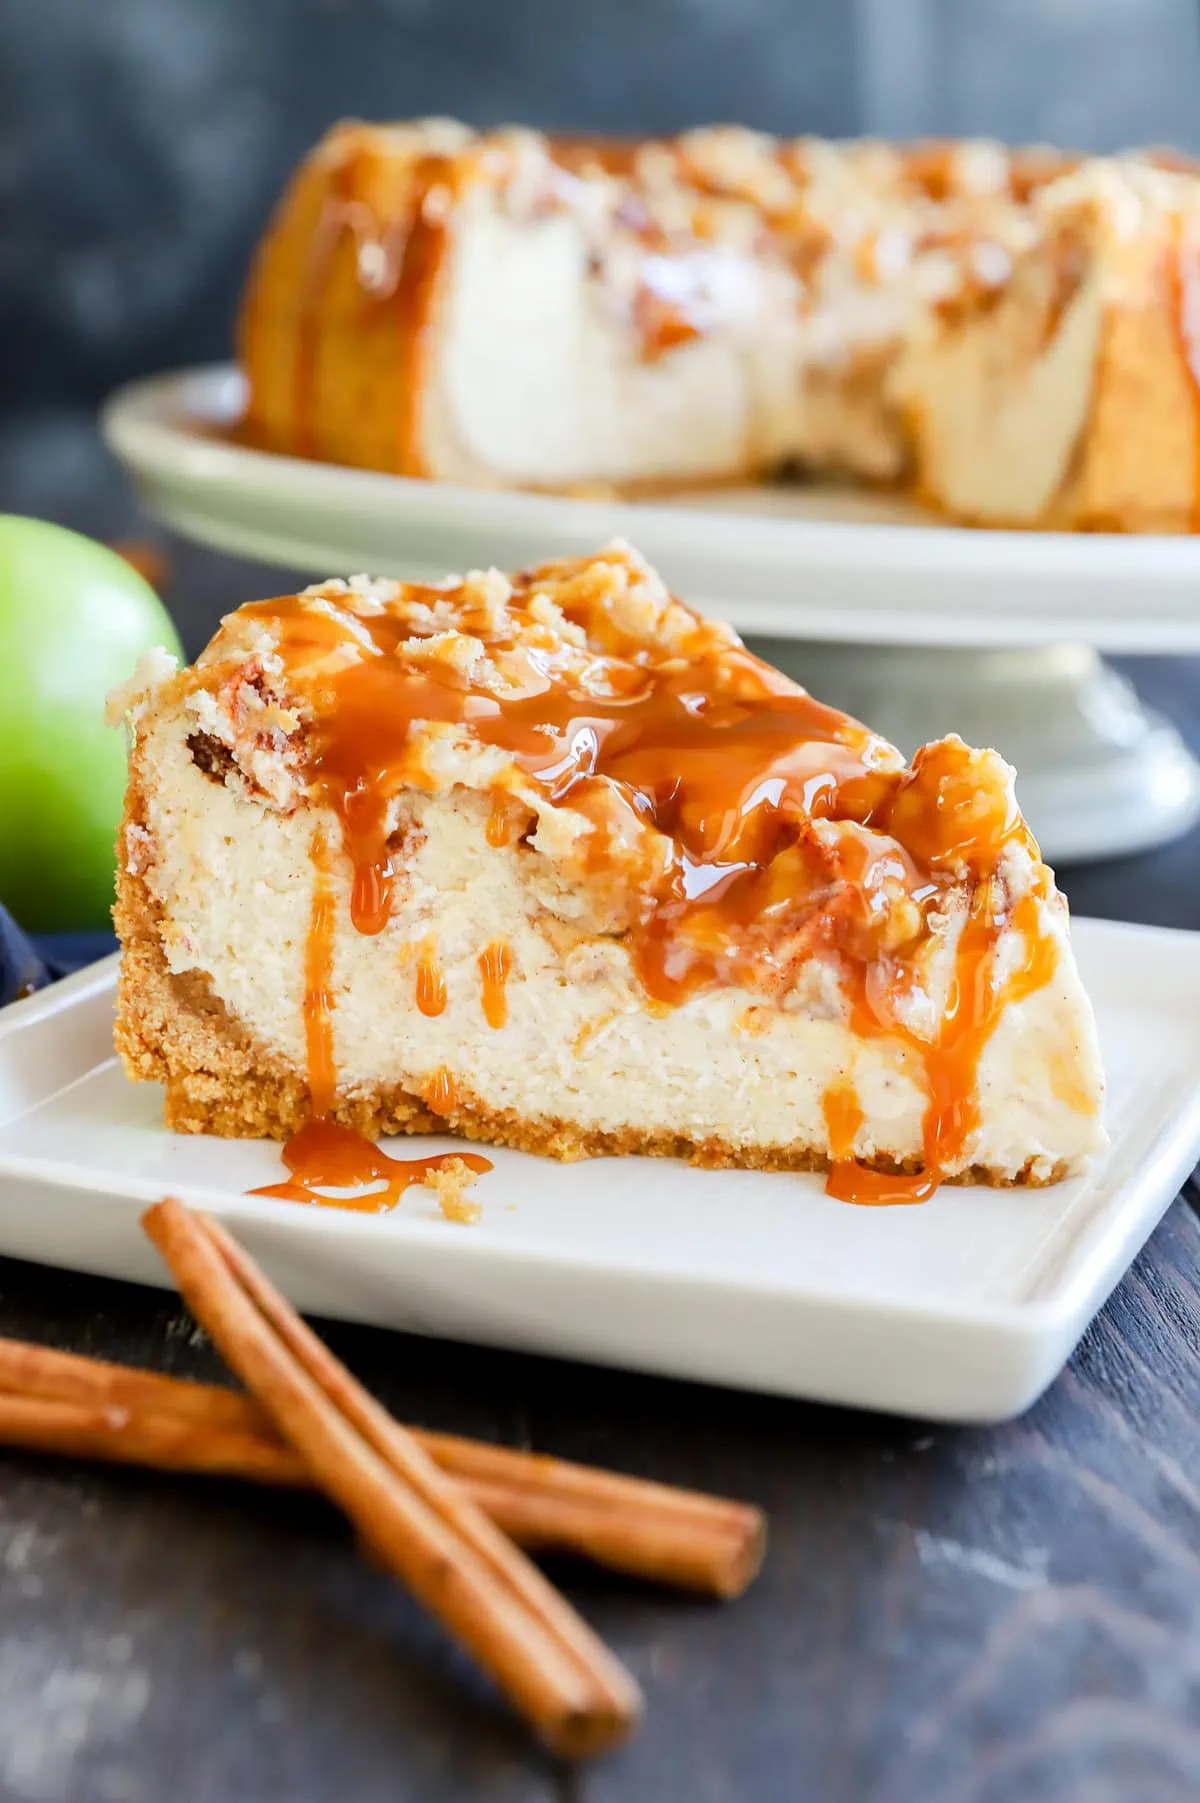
495,964
431,985
1183,278
318,973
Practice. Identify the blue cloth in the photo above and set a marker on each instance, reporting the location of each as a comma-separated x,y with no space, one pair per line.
27,964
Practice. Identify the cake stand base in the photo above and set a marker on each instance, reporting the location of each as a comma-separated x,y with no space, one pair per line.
1100,775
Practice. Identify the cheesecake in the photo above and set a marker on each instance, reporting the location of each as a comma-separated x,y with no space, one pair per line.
1009,335
1068,397
551,861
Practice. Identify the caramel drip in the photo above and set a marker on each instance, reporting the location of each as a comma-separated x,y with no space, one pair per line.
324,1155
398,262
431,984
586,155
1185,307
442,1093
365,836
500,821
673,302
852,1182
341,211
671,306
1034,168
494,967
843,1118
950,1062
425,251
318,983
933,168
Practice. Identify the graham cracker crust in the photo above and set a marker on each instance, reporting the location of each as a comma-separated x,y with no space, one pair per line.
171,1029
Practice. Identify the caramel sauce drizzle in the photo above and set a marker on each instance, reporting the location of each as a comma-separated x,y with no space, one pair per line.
431,984
1184,281
951,1062
843,1118
737,767
442,1093
495,964
586,155
399,261
669,307
850,1181
426,247
499,828
318,982
341,211
326,1155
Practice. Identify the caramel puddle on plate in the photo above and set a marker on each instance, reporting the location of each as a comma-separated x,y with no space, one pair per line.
325,1155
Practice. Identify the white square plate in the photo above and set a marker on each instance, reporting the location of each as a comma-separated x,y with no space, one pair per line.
963,1309
798,561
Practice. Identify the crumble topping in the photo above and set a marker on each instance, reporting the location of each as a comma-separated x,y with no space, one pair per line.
449,1183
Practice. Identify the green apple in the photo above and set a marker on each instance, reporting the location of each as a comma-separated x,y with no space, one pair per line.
74,619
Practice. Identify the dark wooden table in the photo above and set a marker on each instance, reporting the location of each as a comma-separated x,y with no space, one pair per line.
946,1616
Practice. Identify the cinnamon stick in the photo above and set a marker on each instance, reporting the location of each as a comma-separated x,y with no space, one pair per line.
99,1410
30,1370
167,1442
702,1542
417,1519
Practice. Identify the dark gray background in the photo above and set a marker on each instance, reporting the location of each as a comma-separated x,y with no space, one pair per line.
142,141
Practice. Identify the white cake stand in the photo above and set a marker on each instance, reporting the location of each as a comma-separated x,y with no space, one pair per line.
917,627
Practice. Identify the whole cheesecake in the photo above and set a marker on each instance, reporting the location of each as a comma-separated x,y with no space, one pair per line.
549,860
1013,336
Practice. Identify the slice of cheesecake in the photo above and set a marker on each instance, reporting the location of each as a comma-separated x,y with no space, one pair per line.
1068,394
549,860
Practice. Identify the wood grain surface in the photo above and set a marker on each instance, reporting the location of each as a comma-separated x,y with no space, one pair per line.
1008,1615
